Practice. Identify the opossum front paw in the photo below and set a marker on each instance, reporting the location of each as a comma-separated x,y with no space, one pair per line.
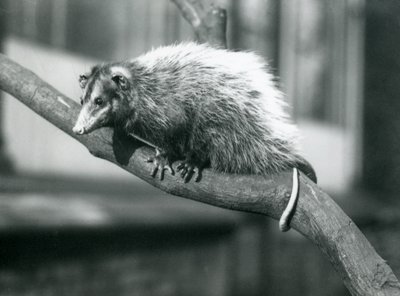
161,163
187,170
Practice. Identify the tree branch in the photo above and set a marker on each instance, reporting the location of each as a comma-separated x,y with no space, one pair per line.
209,23
317,216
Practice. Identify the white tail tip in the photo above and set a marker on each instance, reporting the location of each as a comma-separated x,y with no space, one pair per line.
284,221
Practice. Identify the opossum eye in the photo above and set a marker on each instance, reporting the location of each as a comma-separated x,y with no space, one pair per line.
98,101
81,102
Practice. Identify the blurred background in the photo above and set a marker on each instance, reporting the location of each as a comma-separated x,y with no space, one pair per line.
72,224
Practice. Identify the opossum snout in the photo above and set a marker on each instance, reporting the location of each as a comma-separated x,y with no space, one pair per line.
79,130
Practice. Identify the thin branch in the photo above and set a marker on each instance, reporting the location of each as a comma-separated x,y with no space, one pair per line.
188,12
209,23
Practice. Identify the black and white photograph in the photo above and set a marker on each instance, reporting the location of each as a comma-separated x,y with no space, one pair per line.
199,147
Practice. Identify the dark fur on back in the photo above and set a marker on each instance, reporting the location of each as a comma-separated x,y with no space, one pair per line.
209,106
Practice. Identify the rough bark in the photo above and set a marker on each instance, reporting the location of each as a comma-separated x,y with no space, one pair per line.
317,216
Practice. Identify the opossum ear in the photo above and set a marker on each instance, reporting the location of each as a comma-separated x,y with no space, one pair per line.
82,81
121,81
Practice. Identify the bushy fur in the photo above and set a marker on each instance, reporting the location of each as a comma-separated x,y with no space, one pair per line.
207,105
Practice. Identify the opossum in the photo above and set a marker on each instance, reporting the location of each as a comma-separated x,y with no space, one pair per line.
209,106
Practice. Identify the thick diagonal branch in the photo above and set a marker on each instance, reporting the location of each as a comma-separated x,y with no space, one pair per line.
317,216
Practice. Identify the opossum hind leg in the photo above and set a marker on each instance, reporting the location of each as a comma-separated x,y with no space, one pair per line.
161,163
188,168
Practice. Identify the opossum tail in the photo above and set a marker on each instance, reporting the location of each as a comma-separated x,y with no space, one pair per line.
307,169
284,221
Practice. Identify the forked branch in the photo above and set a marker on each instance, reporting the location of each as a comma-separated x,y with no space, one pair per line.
208,23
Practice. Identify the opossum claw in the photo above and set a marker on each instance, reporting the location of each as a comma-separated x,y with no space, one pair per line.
187,170
161,163
154,171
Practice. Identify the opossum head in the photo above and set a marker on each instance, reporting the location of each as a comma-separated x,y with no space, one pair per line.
103,98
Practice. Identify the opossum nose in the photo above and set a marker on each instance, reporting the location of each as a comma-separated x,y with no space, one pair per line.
78,130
